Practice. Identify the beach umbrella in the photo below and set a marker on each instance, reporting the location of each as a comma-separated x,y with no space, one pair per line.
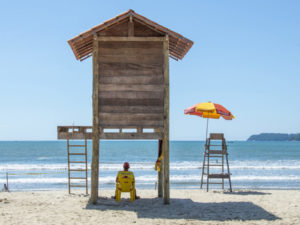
209,110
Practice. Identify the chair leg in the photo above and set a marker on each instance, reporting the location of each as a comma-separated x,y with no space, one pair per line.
207,171
132,196
230,187
118,195
203,167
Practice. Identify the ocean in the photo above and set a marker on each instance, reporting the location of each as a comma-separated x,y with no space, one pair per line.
42,165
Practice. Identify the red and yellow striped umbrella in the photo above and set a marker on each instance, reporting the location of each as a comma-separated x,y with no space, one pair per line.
209,110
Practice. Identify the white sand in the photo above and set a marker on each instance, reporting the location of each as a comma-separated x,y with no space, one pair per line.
187,207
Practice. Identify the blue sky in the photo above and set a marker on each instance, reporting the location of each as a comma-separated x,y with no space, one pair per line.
246,56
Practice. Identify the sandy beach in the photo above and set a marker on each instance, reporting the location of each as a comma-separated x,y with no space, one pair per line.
187,207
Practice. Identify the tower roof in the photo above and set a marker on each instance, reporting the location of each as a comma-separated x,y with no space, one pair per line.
82,45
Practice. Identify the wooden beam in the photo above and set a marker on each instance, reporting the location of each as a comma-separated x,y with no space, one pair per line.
160,173
130,136
132,87
131,109
81,133
75,136
130,27
166,192
131,38
112,136
95,135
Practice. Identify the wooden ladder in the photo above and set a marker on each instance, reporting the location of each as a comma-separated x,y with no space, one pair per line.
71,164
216,150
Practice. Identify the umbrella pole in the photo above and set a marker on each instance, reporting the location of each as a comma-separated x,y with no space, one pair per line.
206,130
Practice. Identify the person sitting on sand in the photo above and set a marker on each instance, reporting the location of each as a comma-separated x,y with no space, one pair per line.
126,167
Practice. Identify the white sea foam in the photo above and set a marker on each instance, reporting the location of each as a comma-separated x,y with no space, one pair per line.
185,165
26,167
266,178
43,158
35,180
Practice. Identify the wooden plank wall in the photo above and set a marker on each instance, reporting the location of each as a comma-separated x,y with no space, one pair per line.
131,83
122,30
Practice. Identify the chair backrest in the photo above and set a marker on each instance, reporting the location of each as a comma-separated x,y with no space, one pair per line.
216,136
125,180
216,143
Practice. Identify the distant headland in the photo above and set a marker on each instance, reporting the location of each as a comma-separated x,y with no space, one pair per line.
274,137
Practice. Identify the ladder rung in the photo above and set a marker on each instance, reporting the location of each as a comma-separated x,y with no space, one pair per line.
78,178
216,152
217,176
213,156
213,165
77,161
211,183
77,170
76,145
77,185
77,154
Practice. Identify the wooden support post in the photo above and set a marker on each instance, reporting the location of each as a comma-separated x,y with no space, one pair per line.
69,184
86,167
130,27
166,192
160,173
95,135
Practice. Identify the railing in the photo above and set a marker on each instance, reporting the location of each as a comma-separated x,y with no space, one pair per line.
110,132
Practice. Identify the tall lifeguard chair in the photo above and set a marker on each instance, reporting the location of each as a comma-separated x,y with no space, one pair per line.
214,169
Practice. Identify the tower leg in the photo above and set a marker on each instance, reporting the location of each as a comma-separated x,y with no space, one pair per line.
165,143
69,183
160,173
95,172
166,192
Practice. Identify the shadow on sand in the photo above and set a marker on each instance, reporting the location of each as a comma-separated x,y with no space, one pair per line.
186,209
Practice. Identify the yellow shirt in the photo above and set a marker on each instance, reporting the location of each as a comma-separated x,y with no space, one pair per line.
125,174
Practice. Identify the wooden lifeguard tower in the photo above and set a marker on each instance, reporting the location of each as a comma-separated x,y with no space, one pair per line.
130,86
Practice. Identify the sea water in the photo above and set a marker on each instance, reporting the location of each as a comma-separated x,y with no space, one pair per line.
42,165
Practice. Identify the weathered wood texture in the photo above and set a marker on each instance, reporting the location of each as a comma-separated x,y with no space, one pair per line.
85,132
130,27
119,29
121,26
215,147
74,180
95,134
166,192
131,91
74,132
131,136
140,30
126,28
160,173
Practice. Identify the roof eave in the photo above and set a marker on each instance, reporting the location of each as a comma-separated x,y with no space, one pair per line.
159,28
